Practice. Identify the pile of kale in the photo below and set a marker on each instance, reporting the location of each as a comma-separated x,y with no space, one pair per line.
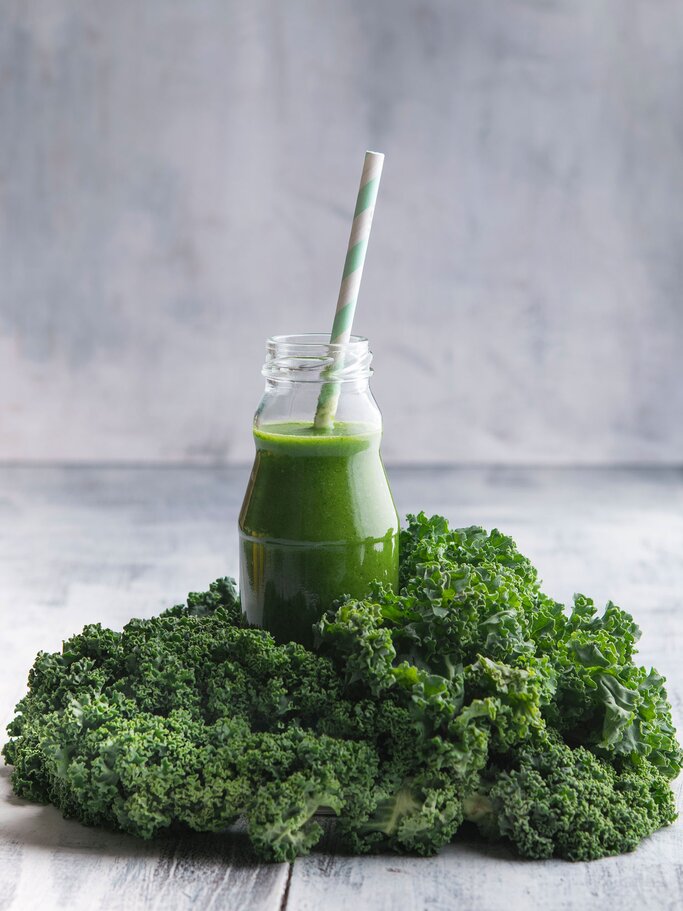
468,696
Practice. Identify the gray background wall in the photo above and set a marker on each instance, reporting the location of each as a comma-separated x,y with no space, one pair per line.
176,182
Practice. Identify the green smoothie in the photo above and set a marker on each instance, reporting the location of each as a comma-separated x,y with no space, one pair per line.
318,521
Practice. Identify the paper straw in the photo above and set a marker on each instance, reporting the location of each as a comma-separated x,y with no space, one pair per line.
351,278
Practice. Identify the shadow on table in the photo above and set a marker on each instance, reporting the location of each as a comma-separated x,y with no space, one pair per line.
467,841
43,826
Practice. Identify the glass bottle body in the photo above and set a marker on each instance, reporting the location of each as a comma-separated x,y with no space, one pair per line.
318,520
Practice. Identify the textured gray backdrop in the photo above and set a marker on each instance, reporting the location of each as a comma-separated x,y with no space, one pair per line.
176,182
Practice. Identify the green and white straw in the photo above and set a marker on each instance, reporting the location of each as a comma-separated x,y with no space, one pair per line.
350,285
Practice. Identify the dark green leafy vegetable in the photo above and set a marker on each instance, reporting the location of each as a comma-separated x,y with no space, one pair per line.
469,695
550,799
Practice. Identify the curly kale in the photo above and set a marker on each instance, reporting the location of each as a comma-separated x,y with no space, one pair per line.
188,719
466,695
470,597
552,800
557,693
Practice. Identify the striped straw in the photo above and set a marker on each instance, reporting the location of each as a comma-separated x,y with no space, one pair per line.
351,278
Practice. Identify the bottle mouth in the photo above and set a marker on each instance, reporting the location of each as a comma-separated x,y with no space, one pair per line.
311,357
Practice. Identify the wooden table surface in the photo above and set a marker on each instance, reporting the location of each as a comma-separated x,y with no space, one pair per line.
85,544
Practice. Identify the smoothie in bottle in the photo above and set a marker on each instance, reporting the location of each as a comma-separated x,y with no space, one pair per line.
318,520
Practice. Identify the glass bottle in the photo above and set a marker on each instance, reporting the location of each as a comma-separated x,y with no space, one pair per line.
318,520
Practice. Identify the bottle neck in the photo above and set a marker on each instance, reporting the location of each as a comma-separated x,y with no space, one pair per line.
298,369
313,359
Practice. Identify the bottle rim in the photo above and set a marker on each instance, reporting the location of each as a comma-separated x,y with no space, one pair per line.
316,340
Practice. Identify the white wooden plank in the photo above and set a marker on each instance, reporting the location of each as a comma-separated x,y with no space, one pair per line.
474,876
106,544
49,862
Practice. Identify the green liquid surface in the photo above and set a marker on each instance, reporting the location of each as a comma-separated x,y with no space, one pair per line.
318,521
